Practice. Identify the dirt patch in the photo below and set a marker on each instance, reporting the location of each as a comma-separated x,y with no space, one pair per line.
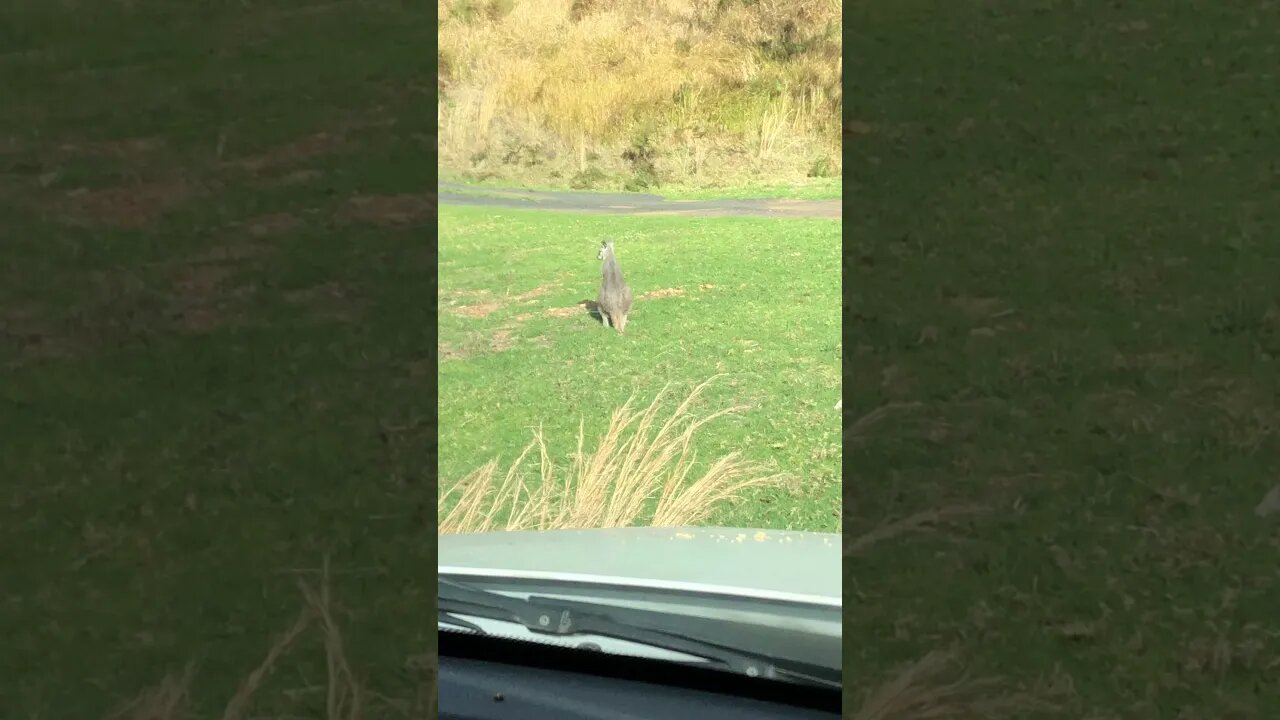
198,301
264,226
978,308
501,340
296,177
479,344
125,206
664,292
422,368
317,144
564,311
291,153
30,333
461,293
858,127
130,150
445,351
230,252
479,310
390,210
203,294
330,301
536,292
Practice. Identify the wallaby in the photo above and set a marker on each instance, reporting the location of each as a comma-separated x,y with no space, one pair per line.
615,296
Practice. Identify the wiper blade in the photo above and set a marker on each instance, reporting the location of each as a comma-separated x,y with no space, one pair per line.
451,619
566,618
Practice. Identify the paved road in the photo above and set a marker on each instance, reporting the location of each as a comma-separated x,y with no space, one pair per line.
634,203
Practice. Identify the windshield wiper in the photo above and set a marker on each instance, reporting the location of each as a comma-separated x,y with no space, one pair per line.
567,618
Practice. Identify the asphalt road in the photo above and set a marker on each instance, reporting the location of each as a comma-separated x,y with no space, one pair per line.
634,203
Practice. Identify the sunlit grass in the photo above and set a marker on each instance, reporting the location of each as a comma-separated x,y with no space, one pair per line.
641,472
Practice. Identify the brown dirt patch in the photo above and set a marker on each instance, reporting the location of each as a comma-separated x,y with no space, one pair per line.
977,308
448,352
501,340
198,300
390,210
479,343
564,311
271,224
536,292
311,146
26,329
291,153
126,206
296,177
664,292
858,127
463,293
330,301
130,150
479,310
230,252
203,294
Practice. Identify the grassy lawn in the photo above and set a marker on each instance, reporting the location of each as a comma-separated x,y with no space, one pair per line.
1066,252
812,189
214,348
752,299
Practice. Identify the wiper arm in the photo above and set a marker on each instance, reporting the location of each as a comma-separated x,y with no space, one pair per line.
566,618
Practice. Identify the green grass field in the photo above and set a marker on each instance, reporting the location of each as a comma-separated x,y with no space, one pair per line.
755,300
214,347
1063,244
813,189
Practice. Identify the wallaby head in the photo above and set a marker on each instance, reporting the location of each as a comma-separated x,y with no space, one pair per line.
605,247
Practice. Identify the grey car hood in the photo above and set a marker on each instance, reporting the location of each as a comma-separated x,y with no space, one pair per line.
784,565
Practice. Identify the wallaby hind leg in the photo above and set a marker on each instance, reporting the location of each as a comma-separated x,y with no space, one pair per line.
605,318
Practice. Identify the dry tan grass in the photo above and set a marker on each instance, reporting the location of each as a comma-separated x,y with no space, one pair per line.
167,700
638,457
921,691
916,522
344,700
856,432
744,89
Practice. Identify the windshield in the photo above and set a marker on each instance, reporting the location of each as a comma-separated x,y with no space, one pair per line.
696,595
760,638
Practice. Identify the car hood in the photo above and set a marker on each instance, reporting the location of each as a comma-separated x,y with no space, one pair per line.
783,565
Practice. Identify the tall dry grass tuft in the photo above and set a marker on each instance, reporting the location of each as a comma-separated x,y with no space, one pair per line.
921,691
639,457
167,700
344,698
916,522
